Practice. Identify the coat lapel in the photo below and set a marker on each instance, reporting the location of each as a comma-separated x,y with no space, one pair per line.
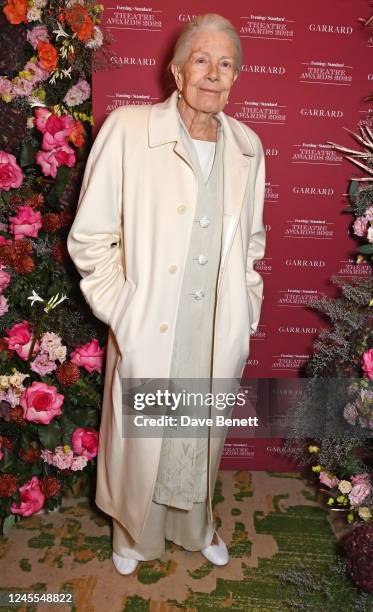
164,127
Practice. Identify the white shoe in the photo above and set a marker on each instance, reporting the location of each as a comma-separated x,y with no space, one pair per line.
124,565
216,553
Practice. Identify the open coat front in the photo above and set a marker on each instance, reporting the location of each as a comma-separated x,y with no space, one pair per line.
134,220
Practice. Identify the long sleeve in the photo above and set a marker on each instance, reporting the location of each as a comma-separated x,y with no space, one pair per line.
94,241
257,244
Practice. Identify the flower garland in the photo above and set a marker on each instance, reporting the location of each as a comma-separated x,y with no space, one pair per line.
50,348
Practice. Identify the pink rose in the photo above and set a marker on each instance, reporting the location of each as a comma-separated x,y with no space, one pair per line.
42,365
41,117
11,175
48,162
359,492
32,498
5,241
57,131
1,452
329,481
26,222
88,356
65,156
20,339
41,403
85,442
4,306
51,160
367,360
360,478
4,279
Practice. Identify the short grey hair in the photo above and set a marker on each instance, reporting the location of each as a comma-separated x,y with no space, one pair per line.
201,23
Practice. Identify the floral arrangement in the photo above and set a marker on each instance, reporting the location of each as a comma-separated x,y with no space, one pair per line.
51,347
352,494
358,548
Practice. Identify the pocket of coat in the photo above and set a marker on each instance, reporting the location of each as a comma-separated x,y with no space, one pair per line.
122,304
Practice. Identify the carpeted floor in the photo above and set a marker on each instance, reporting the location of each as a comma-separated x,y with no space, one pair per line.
282,546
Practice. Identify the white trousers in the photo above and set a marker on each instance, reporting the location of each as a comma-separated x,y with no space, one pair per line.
190,529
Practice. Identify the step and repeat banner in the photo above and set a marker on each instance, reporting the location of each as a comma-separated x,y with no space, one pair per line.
306,69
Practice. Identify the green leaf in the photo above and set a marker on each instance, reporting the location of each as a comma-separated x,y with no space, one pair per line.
366,249
353,189
27,155
62,177
50,435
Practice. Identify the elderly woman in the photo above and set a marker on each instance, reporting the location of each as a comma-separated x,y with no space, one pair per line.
168,227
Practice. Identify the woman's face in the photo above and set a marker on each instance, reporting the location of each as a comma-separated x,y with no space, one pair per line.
207,75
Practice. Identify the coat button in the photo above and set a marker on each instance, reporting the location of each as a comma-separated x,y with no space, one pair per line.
198,294
172,269
163,327
202,260
204,222
181,209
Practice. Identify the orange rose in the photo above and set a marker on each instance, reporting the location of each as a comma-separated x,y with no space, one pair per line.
16,11
80,22
77,134
48,56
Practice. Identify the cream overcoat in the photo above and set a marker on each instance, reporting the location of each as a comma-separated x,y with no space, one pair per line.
134,219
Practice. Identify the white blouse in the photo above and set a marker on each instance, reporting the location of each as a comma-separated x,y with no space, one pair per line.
205,152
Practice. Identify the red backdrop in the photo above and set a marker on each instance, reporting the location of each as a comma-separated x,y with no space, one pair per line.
306,69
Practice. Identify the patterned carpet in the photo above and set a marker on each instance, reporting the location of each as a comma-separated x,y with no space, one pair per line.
282,546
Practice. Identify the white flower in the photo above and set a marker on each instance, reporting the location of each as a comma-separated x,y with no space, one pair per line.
60,32
58,353
34,14
344,486
4,382
365,513
40,3
54,301
97,39
35,298
370,234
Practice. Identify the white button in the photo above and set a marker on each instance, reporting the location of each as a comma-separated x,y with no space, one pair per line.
163,327
198,294
172,269
181,208
202,259
204,222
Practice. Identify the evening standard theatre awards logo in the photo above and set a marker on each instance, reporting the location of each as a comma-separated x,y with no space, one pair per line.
321,73
264,266
319,229
348,268
271,192
297,297
125,99
260,111
288,362
124,17
316,153
273,27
